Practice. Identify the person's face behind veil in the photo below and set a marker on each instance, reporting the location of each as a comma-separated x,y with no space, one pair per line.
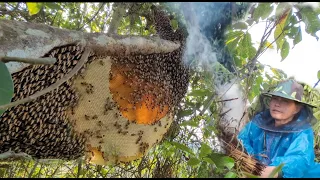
283,110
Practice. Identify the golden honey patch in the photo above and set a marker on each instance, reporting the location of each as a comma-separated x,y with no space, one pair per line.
146,109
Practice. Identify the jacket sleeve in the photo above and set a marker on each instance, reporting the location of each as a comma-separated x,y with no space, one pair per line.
299,157
246,137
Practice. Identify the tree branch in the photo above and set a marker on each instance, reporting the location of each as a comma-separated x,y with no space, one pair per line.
33,169
119,10
12,154
6,59
52,22
54,86
92,16
316,84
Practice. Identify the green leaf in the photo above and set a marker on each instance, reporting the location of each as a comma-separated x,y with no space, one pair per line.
204,150
221,160
281,9
174,24
267,44
190,123
246,49
185,113
276,170
201,92
203,170
285,50
227,162
6,86
232,40
281,30
318,75
240,25
208,160
249,175
312,21
259,80
250,21
230,175
193,161
252,52
53,6
256,87
298,37
238,61
34,8
262,11
231,36
182,147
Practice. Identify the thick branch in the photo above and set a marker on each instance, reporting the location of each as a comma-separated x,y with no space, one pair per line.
29,60
54,86
29,40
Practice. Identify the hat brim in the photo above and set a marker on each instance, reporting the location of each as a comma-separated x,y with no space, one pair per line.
287,97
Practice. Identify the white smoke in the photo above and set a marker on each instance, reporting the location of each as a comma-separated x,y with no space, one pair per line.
235,106
199,47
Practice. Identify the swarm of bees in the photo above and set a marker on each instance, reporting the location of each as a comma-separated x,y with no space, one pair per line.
113,110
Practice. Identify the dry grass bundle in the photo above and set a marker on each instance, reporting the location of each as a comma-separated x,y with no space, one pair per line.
233,148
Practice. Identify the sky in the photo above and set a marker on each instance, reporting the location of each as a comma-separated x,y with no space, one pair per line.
303,61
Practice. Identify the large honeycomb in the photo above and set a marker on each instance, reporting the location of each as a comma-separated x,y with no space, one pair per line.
114,109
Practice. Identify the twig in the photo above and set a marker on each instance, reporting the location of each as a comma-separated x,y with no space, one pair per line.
208,104
12,154
260,49
272,42
54,86
33,169
275,24
316,84
79,168
6,59
93,16
52,22
224,100
224,113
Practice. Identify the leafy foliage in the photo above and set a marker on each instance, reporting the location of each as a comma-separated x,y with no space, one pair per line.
6,86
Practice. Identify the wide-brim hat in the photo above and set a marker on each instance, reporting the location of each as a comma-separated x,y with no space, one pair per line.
289,89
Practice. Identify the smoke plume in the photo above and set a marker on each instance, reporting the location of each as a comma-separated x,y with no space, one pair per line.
200,47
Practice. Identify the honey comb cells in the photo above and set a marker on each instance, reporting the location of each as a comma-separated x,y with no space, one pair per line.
115,109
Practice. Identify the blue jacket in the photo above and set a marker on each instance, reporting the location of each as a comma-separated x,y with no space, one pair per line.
291,144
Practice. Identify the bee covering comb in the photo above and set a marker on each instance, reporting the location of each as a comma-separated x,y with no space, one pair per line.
114,109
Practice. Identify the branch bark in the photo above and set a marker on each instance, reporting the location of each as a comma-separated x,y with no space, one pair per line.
29,40
29,60
11,154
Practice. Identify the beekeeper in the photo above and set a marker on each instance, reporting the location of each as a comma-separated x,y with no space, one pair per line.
281,132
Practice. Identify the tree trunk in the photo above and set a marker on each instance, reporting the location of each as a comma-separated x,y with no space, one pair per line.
29,40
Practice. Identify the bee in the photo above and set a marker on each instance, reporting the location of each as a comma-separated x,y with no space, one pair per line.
100,123
87,117
139,138
101,63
